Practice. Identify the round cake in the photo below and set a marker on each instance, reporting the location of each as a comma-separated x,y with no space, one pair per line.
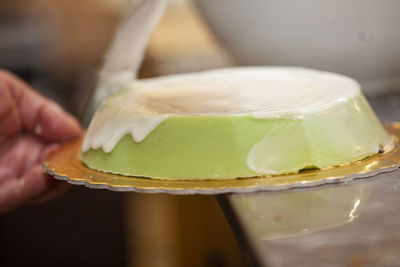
233,123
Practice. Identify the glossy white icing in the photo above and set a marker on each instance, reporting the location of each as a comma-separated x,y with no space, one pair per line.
261,92
110,124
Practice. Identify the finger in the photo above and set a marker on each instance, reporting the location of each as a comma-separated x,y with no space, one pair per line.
54,125
50,148
16,192
10,122
57,190
25,109
18,155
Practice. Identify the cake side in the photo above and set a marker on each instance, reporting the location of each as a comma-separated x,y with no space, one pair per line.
217,147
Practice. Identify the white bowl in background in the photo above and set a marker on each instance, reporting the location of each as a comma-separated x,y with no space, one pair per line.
358,38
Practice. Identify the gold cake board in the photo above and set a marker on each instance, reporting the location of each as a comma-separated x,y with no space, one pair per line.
64,164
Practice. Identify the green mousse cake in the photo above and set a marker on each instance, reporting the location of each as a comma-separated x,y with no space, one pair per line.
233,123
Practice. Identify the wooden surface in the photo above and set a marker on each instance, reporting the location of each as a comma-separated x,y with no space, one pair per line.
167,230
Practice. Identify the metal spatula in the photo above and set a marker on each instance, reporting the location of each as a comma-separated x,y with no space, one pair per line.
126,52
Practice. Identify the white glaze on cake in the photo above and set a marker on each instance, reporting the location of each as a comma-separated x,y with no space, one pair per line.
261,92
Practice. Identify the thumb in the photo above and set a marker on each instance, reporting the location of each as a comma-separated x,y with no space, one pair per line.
53,124
23,109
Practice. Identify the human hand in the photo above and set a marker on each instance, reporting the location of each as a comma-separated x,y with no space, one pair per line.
30,125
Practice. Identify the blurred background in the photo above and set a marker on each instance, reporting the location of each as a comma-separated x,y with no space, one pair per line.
57,46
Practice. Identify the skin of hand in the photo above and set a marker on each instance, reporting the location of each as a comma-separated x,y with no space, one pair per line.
30,126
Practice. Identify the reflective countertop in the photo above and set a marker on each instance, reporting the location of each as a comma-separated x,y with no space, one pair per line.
352,224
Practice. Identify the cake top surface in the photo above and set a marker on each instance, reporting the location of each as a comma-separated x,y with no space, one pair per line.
257,91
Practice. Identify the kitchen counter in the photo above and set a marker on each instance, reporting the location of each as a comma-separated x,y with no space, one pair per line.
352,224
